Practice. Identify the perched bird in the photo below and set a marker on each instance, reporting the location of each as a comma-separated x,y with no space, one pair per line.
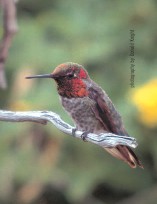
90,107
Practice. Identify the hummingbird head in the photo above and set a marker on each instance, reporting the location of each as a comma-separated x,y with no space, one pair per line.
71,79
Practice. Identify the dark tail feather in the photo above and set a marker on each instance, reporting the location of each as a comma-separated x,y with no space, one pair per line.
126,154
138,162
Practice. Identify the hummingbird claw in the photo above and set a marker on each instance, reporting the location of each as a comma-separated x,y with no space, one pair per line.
84,135
73,131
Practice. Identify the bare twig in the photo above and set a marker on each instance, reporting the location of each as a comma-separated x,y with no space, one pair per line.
103,140
10,28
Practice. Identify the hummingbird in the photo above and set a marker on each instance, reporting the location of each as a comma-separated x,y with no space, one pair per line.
90,107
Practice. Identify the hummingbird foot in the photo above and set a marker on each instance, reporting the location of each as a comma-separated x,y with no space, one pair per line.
73,131
84,135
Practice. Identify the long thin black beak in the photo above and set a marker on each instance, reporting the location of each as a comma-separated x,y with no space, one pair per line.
40,76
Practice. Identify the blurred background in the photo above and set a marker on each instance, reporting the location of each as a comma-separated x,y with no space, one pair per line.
41,165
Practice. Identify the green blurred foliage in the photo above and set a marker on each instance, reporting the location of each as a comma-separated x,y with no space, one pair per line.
95,34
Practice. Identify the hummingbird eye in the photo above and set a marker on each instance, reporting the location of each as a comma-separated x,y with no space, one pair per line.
71,75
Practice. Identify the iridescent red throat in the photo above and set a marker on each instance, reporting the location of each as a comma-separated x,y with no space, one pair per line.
72,88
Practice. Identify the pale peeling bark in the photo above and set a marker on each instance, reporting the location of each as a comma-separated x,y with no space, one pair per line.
104,140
